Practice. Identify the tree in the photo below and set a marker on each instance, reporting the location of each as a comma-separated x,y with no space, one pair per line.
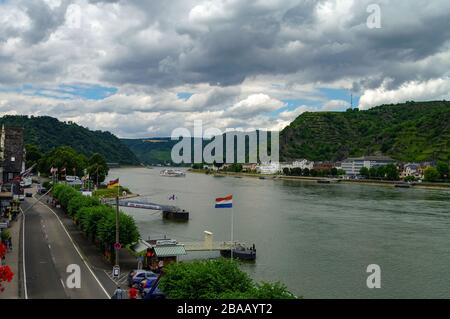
286,171
392,172
443,169
79,201
97,168
216,279
33,155
63,157
364,171
128,232
296,171
204,279
334,171
306,172
431,174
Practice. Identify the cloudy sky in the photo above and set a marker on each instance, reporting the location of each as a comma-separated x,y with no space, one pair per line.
141,68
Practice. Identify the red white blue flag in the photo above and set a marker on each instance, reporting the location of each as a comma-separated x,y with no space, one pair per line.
224,202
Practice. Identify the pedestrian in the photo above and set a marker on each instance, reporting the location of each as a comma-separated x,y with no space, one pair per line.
118,294
10,244
132,293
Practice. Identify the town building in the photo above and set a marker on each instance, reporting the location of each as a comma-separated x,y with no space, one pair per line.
12,153
412,169
323,166
352,166
302,164
268,168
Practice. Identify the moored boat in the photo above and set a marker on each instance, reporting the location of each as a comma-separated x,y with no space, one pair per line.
241,252
172,173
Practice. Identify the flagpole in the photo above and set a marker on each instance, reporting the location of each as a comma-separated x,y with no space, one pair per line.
232,230
117,223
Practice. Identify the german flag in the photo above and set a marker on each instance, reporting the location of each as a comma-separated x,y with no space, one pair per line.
113,183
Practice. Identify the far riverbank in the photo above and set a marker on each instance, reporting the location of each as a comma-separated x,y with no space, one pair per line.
437,186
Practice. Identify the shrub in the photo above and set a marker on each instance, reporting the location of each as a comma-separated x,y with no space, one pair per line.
79,201
210,279
106,229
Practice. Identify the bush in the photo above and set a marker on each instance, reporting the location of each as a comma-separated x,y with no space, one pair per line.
204,279
90,217
79,201
106,229
96,218
216,279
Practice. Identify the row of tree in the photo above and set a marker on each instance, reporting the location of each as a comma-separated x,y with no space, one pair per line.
297,171
67,160
439,173
388,172
98,221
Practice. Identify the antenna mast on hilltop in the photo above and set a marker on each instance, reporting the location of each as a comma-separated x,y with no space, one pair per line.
351,101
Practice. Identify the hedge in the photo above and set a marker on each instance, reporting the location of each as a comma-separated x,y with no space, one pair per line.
96,219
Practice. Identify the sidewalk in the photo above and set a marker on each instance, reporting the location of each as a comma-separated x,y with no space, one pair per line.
12,289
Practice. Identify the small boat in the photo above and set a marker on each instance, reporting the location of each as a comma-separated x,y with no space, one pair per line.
172,173
402,185
328,181
179,215
218,175
262,177
241,252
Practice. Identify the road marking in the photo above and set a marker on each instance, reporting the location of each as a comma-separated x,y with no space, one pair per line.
23,257
73,243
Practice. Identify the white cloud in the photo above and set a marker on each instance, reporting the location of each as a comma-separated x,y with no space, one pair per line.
437,89
240,59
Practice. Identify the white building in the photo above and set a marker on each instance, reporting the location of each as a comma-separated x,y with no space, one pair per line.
302,164
352,166
412,169
268,168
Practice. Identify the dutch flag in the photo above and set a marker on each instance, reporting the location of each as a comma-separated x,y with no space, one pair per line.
224,202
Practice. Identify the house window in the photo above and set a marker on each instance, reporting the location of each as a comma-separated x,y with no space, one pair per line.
10,176
13,159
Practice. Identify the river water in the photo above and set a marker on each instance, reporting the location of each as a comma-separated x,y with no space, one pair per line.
316,239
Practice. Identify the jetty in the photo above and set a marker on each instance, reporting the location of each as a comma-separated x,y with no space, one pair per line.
168,211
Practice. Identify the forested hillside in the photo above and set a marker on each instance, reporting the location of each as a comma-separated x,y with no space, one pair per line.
47,132
412,131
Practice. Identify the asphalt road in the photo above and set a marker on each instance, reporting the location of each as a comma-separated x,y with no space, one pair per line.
48,251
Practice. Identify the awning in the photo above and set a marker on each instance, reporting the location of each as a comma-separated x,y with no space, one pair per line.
141,246
170,251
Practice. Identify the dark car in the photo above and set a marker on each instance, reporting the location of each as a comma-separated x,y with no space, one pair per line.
141,275
28,194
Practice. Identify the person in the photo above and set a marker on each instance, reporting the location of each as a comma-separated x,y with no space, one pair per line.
132,293
118,293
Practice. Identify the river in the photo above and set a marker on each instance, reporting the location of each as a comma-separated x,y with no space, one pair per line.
317,239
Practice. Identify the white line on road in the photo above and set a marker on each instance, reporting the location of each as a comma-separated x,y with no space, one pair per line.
82,258
23,257
62,283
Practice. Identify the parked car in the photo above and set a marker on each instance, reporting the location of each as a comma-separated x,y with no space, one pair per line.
42,190
141,275
28,194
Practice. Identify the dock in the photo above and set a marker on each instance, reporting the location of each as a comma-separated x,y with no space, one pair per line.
168,211
214,246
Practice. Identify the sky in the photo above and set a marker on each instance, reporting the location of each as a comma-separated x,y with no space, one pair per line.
142,68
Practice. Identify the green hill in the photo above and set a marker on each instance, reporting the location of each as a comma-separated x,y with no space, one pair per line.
152,150
47,133
412,131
